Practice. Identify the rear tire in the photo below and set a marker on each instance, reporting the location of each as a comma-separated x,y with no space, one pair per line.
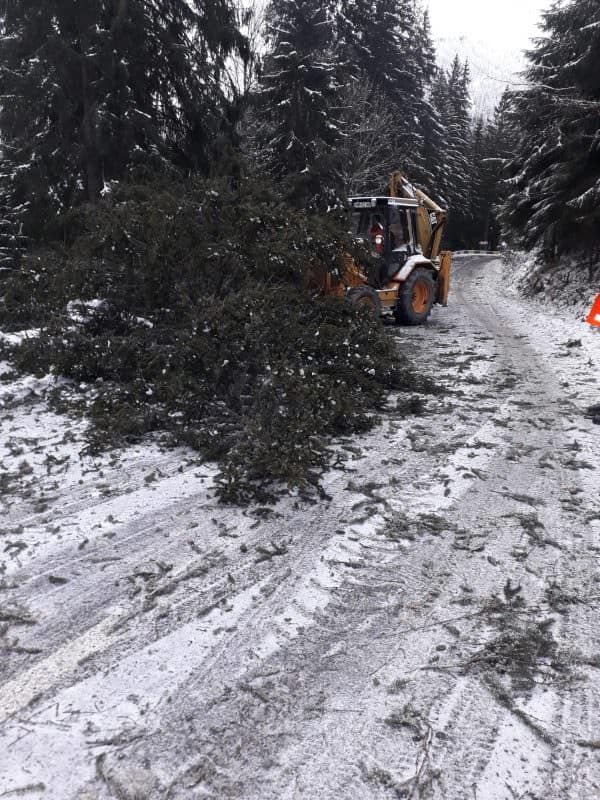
415,298
365,299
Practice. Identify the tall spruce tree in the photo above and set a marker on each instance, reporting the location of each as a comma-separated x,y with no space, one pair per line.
459,127
554,198
498,149
489,148
432,164
299,98
450,97
89,87
474,225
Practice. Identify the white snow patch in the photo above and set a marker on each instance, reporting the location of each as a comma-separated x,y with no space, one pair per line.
13,339
62,747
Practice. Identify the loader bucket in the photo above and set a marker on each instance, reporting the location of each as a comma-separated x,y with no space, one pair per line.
594,316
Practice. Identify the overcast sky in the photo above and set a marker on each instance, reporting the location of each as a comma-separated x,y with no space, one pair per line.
504,24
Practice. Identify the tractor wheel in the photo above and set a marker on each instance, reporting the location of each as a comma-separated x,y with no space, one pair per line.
415,298
366,299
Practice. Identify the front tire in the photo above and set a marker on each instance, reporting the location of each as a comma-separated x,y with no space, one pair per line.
365,299
415,297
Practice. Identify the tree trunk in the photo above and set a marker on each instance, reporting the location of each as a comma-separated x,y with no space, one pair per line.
122,9
93,172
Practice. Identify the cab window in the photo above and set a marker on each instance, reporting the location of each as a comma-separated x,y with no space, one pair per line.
364,220
399,230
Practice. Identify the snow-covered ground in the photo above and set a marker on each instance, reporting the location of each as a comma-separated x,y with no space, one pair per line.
571,285
430,631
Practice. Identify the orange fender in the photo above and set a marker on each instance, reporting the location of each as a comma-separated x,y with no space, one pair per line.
594,316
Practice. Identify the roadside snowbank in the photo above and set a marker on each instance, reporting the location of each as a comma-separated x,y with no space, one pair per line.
569,287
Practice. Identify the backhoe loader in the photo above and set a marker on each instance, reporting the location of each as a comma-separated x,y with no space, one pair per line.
404,232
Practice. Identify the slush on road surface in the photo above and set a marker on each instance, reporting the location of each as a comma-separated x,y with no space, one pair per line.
430,631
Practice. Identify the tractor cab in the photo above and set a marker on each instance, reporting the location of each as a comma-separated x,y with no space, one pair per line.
403,231
388,226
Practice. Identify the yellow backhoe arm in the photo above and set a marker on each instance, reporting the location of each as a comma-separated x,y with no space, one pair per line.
429,236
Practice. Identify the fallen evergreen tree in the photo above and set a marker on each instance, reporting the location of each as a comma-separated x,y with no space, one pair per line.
182,308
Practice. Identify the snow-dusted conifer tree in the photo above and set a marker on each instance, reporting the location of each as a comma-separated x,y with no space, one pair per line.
90,87
497,150
430,125
554,198
459,126
299,98
474,210
450,97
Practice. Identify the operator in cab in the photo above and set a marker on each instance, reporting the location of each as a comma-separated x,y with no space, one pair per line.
376,233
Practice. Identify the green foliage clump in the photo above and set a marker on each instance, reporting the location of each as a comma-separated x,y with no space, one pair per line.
185,309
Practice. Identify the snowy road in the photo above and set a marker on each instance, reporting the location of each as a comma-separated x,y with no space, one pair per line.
430,632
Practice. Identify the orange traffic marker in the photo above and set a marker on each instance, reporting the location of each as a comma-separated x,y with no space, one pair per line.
594,315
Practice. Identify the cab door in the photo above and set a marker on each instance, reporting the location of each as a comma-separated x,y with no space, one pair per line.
415,245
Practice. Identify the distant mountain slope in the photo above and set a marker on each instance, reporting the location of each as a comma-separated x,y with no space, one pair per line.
492,68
